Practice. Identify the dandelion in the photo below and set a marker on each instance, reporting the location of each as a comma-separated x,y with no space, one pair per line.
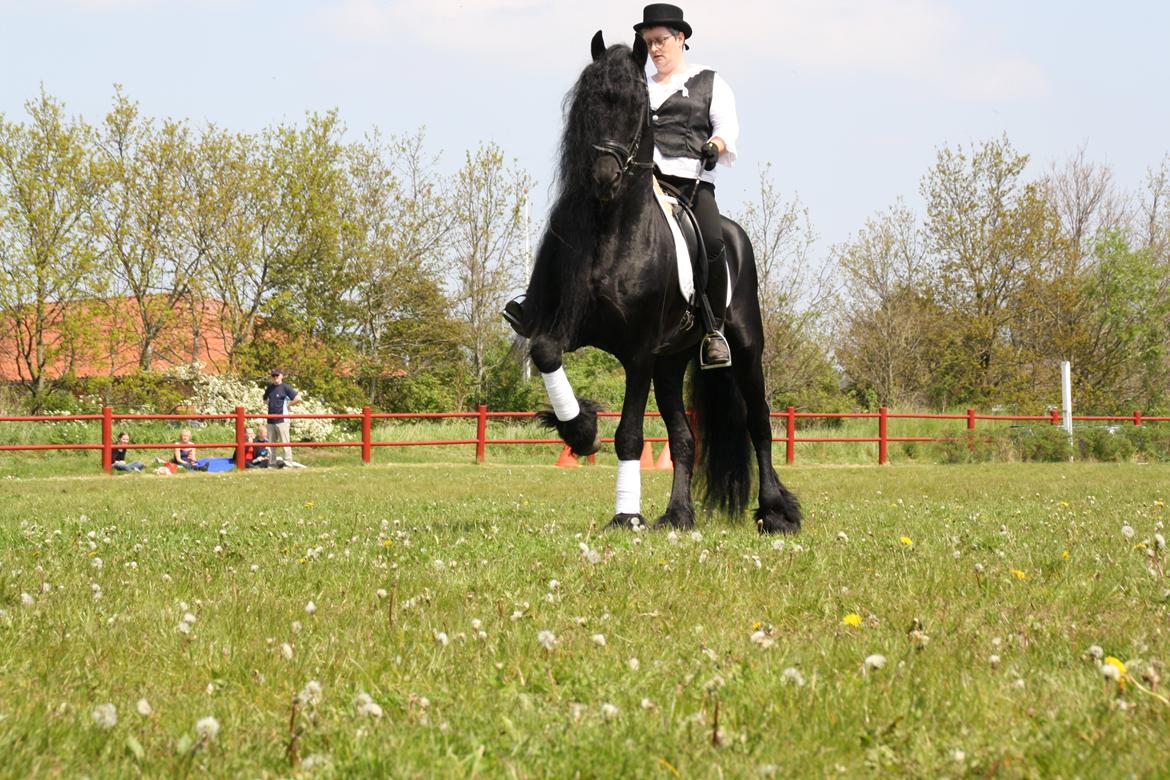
852,619
589,554
906,541
517,614
366,707
442,639
979,567
609,711
295,626
310,608
1114,669
286,651
778,545
792,676
762,639
958,756
598,639
875,661
993,661
310,694
1159,542
144,708
27,600
476,624
553,584
1019,575
634,664
647,704
1095,652
97,563
919,638
672,537
382,593
696,536
207,729
184,627
842,536
547,639
105,716
1127,531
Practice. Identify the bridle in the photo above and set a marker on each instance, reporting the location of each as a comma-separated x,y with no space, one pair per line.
625,155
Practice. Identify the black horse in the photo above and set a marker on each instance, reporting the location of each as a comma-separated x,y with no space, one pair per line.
606,276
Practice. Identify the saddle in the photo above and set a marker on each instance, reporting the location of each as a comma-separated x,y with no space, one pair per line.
691,258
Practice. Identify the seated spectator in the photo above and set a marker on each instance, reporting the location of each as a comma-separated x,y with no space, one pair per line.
118,455
185,451
257,455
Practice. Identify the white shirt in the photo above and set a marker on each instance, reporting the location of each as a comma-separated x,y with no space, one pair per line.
723,120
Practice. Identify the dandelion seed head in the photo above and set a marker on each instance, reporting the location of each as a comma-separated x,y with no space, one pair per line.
609,711
875,661
598,639
207,728
547,639
792,676
105,716
286,650
144,708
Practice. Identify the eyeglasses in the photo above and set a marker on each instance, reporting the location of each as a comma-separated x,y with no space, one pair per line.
659,42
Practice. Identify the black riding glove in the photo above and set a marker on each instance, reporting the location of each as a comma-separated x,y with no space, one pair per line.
710,155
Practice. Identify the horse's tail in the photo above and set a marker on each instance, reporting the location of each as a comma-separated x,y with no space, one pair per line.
725,457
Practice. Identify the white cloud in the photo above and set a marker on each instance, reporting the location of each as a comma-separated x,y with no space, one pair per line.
919,41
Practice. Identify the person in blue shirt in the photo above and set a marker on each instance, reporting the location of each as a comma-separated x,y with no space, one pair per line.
281,397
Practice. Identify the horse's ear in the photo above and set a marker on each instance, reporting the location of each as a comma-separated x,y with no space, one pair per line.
640,51
597,46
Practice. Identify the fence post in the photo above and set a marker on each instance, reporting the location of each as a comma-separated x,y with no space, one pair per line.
883,443
481,434
107,439
790,435
970,419
367,428
1137,417
1054,416
241,438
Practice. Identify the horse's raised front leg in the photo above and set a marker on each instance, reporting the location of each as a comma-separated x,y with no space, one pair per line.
575,419
668,389
628,443
779,510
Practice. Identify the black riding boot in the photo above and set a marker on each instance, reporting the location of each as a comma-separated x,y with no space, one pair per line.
714,352
515,315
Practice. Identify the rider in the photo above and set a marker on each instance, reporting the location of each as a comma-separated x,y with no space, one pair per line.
695,127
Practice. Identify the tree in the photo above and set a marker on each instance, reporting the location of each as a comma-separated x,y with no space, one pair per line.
987,230
795,296
400,220
51,185
138,221
887,317
486,253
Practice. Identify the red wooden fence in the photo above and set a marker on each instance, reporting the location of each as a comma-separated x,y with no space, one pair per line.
482,415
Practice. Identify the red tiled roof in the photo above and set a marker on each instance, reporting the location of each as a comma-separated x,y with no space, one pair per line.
110,343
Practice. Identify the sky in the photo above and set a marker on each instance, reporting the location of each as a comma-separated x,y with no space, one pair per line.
847,100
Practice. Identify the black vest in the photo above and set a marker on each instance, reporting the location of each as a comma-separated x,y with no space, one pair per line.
683,124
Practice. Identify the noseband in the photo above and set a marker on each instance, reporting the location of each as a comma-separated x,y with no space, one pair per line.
625,154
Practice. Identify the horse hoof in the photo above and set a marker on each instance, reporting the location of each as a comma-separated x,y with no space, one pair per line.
627,522
678,519
776,523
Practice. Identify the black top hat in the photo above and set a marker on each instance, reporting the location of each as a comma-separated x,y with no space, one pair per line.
663,15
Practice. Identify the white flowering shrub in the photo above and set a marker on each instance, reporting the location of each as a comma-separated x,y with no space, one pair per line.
222,394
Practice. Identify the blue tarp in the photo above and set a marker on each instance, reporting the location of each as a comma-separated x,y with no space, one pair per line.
216,464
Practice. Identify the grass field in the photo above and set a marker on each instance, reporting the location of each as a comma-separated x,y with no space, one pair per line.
718,655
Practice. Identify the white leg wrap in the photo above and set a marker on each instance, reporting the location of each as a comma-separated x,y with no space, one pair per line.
560,394
629,488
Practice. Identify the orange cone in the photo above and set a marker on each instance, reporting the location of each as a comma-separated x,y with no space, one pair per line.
566,459
647,456
664,463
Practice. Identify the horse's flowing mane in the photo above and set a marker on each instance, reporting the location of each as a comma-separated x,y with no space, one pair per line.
604,103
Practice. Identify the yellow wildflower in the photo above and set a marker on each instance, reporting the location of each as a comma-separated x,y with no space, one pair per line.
308,505
1019,575
852,619
906,540
1115,664
387,542
1064,555
757,625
